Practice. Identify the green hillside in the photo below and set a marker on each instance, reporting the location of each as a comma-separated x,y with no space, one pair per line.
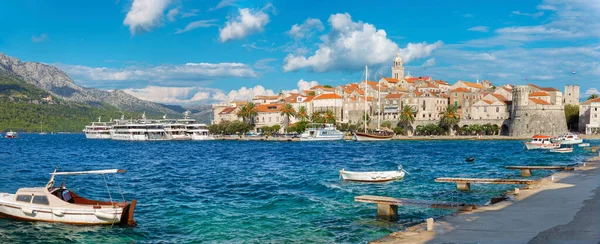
24,107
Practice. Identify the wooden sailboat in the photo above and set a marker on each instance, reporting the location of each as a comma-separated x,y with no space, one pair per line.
377,135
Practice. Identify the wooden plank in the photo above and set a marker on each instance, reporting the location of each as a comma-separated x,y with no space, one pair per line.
548,167
487,181
413,202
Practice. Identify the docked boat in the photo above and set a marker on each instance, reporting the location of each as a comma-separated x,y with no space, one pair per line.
562,150
11,134
42,129
567,139
176,131
60,204
380,176
373,136
377,135
321,132
541,142
98,130
584,145
198,132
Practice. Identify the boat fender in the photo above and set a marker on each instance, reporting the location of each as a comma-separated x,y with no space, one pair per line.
28,211
105,215
58,212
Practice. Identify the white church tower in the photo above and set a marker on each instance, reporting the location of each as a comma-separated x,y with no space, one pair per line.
397,69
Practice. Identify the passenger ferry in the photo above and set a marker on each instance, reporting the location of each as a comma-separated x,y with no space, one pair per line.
98,130
321,132
176,131
141,130
198,132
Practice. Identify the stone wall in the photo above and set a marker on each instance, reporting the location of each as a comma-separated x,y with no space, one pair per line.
538,119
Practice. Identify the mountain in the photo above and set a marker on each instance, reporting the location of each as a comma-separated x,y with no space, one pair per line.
203,113
57,83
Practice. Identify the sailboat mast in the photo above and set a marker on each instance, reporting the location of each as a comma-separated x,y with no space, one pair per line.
379,105
366,89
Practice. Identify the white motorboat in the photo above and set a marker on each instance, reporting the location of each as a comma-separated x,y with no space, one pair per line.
11,134
567,139
541,142
198,132
562,150
321,132
98,130
584,145
59,204
375,176
176,131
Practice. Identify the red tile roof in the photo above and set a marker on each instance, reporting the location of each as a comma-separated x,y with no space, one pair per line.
538,94
228,110
391,80
500,97
461,89
595,100
269,108
539,101
487,101
549,89
441,82
471,84
328,96
392,96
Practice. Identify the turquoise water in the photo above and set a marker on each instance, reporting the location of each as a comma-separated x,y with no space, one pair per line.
238,191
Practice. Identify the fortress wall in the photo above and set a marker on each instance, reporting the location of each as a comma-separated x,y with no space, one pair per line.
538,119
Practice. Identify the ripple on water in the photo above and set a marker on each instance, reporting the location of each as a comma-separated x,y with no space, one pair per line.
241,191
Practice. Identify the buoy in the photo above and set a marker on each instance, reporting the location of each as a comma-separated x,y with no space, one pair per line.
470,159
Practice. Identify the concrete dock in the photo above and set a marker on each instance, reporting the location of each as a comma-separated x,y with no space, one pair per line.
566,209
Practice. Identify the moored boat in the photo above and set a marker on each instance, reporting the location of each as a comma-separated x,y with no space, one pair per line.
98,130
11,134
198,132
375,176
59,204
321,132
373,136
562,150
567,139
541,142
584,145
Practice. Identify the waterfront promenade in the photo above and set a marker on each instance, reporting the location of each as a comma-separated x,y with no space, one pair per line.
565,209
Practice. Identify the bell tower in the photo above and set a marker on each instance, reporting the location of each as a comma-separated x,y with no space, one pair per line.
397,69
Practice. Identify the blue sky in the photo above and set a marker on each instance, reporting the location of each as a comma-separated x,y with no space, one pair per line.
180,51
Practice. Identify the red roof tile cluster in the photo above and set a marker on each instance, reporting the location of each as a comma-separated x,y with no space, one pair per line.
539,94
228,110
461,89
539,101
391,80
393,96
328,96
588,102
269,108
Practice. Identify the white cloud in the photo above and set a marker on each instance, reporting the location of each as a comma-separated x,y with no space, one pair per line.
419,50
591,91
222,4
242,94
145,15
305,29
305,85
479,28
483,56
183,74
534,15
197,24
173,95
39,38
246,23
172,14
429,63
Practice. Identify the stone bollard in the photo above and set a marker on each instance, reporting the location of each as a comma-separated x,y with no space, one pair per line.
430,224
552,178
517,190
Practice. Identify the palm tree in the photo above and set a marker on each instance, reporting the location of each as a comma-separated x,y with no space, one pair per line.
407,116
593,96
316,117
288,111
302,113
450,117
247,113
329,117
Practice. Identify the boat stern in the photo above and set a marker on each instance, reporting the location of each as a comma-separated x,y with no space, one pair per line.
127,214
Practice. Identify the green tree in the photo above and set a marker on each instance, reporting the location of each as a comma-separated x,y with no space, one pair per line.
572,116
407,116
302,113
247,113
288,111
593,96
328,86
449,118
398,130
316,117
329,117
386,124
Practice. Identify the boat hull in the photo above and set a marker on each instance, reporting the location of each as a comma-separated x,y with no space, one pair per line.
201,137
104,136
570,142
533,146
370,137
81,214
323,138
562,150
382,176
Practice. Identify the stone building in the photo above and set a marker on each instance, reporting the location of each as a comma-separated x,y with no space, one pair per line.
329,102
226,111
589,116
571,95
530,116
269,115
398,69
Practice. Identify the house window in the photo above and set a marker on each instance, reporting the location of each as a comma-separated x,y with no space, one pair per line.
485,109
456,94
497,109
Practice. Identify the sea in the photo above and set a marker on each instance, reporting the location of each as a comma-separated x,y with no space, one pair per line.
254,191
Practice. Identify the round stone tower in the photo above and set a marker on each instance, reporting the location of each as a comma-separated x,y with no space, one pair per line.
528,118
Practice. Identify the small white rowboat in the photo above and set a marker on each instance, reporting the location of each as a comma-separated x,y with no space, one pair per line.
561,150
584,145
380,176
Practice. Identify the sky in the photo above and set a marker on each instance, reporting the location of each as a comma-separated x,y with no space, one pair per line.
200,52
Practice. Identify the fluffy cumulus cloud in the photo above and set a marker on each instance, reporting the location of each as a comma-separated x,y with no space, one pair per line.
242,94
592,91
350,45
196,25
246,23
306,29
183,74
173,95
305,85
145,15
